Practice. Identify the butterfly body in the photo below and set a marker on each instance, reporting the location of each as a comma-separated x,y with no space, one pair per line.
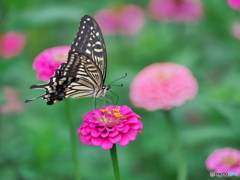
84,73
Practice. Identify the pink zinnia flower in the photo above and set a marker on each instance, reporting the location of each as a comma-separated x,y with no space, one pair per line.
11,44
176,10
131,20
224,160
126,20
13,103
109,125
235,4
107,20
49,60
163,86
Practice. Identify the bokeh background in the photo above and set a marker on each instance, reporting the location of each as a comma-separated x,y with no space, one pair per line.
34,137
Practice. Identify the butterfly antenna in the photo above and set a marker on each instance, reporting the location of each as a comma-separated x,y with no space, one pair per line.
117,80
29,100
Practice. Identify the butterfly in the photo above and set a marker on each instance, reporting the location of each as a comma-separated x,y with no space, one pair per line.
84,73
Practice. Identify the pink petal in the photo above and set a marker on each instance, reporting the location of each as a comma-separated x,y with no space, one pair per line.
135,126
97,141
110,129
125,129
124,140
98,114
102,128
83,131
125,110
114,133
132,120
115,139
104,134
92,125
89,143
95,133
132,134
83,139
85,124
88,129
107,144
140,124
88,137
120,127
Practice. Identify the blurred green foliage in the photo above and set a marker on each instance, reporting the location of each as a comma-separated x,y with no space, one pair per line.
34,143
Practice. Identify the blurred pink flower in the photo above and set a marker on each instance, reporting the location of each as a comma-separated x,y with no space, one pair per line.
235,4
163,86
109,125
131,20
224,160
176,10
127,20
13,103
236,31
107,20
11,44
49,60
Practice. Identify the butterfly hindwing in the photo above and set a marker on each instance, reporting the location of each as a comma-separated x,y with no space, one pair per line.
89,81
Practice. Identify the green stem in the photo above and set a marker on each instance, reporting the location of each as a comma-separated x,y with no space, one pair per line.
113,153
73,135
182,168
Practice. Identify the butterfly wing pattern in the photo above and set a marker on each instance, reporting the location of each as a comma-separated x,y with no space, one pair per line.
84,73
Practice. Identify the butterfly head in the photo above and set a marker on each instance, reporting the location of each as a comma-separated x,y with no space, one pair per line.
102,92
105,89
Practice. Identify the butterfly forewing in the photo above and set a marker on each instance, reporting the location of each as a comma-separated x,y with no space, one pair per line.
84,72
89,41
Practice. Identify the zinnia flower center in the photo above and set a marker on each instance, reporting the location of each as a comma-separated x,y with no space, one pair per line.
59,57
230,161
111,117
162,76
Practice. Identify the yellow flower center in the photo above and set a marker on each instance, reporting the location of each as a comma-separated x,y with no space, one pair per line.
162,76
103,110
111,117
60,57
231,161
117,114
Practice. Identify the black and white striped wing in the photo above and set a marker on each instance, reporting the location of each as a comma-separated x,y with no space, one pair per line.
84,72
89,41
88,79
86,83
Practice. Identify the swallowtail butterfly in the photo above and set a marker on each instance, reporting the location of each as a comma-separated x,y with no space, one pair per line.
84,73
